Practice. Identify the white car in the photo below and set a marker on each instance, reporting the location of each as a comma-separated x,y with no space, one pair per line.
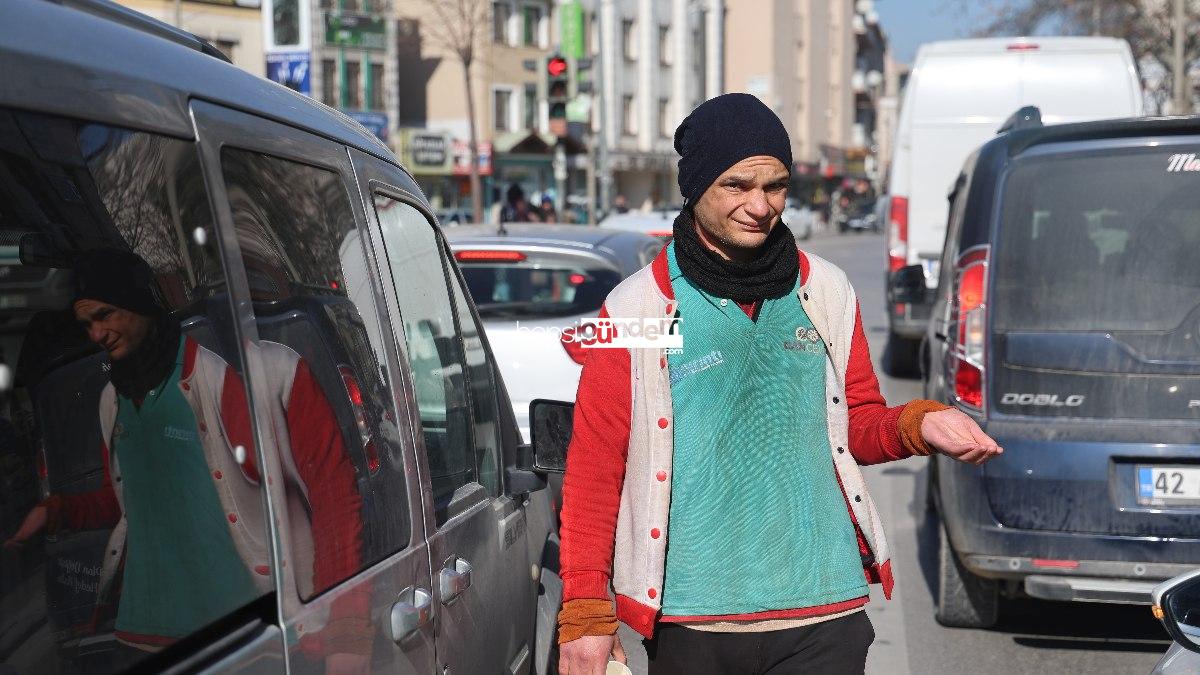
533,282
654,223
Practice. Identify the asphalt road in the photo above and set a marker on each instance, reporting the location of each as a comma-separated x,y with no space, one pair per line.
1033,637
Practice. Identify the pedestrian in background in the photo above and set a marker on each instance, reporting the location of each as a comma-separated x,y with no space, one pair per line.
516,209
546,211
717,488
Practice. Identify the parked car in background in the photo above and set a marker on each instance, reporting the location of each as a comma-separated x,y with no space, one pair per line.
800,219
957,96
455,216
654,223
532,283
1177,605
331,478
858,216
1065,322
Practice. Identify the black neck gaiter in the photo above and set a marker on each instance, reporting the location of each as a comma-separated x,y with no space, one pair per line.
772,274
135,375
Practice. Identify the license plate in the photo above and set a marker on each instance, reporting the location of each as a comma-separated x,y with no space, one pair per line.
1169,485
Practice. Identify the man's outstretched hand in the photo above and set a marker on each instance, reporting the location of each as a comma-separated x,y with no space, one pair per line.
952,433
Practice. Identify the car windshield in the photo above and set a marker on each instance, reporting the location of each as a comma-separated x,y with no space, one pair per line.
1099,243
520,291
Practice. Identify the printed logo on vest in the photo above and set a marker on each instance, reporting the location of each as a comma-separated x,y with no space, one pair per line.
709,360
807,341
177,434
1183,163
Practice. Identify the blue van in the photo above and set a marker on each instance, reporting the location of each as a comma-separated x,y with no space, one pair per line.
1066,321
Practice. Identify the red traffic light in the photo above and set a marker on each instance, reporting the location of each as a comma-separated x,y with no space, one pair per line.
556,66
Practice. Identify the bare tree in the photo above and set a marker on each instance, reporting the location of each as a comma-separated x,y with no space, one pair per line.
459,26
1145,24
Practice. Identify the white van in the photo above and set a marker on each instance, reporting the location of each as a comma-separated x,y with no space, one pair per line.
958,95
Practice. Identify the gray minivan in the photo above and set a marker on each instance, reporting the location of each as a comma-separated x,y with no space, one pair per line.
248,416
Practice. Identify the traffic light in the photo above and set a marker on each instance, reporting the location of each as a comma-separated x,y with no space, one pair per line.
558,86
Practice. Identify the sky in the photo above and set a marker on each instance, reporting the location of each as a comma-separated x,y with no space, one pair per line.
908,23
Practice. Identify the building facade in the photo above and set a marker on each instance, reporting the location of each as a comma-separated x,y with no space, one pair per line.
819,65
232,26
658,60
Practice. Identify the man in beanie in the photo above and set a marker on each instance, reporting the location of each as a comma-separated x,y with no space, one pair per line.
717,488
181,490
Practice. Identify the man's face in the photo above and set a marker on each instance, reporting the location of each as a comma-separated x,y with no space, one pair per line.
737,212
119,331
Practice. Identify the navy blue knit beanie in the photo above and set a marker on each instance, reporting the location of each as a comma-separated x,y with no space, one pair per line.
721,132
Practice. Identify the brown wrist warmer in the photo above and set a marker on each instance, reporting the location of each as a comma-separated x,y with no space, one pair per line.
910,425
585,616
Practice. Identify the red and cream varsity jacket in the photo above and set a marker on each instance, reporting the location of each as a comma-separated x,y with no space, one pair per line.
617,487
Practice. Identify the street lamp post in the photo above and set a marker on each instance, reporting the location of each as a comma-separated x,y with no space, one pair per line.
1181,104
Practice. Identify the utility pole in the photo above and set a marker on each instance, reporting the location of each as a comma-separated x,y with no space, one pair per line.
1181,104
179,14
603,54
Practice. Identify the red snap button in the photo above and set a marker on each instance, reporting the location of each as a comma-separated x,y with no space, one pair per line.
233,517
217,475
662,362
184,386
263,570
652,593
654,533
661,476
662,423
670,308
203,428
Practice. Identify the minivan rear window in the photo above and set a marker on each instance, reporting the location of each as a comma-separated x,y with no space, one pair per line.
508,291
1100,242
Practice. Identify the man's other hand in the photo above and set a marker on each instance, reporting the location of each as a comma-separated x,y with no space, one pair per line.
589,655
33,523
954,434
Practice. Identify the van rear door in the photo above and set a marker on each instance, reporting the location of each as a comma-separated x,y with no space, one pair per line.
1095,344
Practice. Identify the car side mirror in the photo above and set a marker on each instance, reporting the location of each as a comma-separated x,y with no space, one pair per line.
907,285
1176,602
550,433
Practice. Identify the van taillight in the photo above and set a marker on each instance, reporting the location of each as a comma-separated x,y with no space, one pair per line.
354,393
898,233
574,349
970,311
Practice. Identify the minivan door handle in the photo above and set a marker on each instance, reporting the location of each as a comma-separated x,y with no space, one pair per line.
411,612
454,578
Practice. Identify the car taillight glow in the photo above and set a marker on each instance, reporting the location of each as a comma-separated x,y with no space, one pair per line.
970,305
1022,47
489,256
574,349
576,279
898,233
354,393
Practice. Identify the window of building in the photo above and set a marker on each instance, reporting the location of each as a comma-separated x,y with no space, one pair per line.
664,45
629,115
377,87
451,375
665,129
531,25
530,107
501,15
502,102
329,83
353,85
628,39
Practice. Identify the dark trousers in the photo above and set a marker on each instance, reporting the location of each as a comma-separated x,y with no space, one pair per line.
835,647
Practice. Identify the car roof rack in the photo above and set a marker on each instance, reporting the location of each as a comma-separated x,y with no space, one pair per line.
1027,117
106,9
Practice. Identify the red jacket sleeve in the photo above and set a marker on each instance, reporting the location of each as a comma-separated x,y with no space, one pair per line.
591,491
95,510
325,467
874,427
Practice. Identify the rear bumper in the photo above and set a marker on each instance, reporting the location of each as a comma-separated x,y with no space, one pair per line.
1083,580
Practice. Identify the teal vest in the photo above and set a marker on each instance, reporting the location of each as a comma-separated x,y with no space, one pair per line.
757,521
182,570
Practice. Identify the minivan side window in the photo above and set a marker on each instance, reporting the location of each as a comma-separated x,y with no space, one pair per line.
320,340
128,518
459,454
